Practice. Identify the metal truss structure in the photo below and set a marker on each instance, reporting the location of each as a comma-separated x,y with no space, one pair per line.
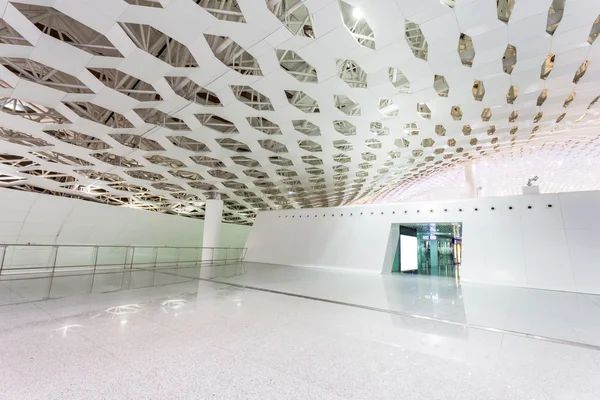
269,104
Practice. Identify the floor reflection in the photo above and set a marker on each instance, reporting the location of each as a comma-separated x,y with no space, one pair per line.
201,339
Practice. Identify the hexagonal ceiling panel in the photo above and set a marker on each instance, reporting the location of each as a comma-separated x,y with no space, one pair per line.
271,104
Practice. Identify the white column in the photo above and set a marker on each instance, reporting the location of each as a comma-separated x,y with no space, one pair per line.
212,229
471,179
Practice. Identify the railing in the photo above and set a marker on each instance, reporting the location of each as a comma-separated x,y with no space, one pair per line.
37,271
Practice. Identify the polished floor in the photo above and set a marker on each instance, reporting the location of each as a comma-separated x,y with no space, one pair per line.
553,314
324,335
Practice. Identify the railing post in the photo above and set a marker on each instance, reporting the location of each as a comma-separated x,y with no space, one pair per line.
243,257
124,279
177,265
212,262
196,264
3,258
95,259
54,256
131,266
154,268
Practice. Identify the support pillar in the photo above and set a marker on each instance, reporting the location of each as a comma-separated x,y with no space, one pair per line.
471,179
212,233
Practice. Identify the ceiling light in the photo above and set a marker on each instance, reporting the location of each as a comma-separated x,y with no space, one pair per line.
13,106
389,109
357,13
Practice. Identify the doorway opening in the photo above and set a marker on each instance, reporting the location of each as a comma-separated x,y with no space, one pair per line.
429,249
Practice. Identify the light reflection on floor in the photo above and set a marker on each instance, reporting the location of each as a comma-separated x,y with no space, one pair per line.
201,340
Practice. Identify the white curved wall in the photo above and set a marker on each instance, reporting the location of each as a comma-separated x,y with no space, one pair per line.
43,219
540,247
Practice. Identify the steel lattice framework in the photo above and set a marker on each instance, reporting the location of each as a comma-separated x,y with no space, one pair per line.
161,104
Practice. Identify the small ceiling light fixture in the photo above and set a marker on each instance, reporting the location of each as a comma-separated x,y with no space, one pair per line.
357,13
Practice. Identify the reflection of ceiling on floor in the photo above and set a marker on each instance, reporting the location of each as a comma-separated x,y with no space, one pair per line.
161,104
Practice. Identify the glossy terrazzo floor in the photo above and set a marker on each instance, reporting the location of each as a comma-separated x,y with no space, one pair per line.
206,340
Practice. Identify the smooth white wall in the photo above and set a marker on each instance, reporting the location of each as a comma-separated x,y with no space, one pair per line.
540,247
43,219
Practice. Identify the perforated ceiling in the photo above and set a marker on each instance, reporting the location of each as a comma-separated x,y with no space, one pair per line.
286,103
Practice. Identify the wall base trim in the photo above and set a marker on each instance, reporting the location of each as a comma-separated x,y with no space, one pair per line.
524,286
334,269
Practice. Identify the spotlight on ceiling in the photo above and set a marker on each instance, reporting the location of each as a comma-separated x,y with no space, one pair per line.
357,13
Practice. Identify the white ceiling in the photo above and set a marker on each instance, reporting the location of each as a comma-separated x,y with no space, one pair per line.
286,103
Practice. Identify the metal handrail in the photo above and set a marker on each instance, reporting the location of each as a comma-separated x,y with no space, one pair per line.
125,264
10,271
112,246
